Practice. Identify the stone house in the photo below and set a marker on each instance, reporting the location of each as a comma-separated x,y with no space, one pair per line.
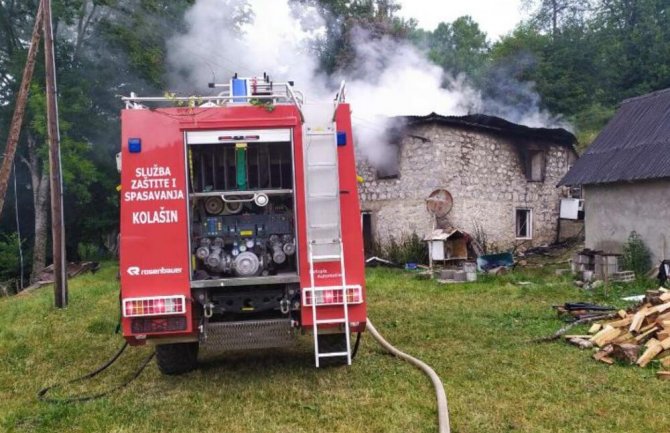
502,176
625,177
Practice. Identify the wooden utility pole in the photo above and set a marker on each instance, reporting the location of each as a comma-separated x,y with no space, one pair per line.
20,107
56,181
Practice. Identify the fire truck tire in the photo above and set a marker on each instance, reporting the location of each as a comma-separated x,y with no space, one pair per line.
177,358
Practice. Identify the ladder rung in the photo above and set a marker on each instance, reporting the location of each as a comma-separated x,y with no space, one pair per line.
333,354
324,241
322,196
322,165
330,321
324,226
327,257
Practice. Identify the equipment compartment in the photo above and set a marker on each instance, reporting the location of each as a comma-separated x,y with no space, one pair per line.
241,209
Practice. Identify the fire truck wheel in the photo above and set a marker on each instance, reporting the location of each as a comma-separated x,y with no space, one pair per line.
333,343
177,358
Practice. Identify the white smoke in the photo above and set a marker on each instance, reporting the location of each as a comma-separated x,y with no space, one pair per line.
387,77
227,36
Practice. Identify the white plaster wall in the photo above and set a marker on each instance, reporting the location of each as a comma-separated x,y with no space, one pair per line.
612,211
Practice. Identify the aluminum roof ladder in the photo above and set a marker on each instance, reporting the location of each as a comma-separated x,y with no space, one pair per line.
324,229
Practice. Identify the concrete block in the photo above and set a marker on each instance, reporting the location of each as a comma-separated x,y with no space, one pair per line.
460,276
447,274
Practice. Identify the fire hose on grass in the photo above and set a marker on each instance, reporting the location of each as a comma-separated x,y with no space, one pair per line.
442,408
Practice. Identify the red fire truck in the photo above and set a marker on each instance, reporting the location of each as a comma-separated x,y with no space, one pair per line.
240,223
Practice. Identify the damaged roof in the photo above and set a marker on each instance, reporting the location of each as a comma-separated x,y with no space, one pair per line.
635,144
497,125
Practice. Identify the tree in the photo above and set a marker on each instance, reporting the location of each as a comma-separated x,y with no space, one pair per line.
634,37
459,47
103,47
553,15
348,21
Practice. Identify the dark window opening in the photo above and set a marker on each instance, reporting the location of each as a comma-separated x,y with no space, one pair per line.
524,224
388,165
535,165
368,240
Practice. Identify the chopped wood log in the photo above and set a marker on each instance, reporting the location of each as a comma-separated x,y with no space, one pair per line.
606,335
636,323
621,323
625,352
648,327
603,356
652,342
595,328
623,339
645,336
581,343
649,354
664,375
626,337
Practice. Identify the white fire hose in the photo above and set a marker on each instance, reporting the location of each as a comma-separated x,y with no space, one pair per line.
442,408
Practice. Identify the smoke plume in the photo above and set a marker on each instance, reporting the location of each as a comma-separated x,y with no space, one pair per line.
387,78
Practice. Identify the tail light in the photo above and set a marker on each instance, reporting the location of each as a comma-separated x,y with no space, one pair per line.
332,295
154,306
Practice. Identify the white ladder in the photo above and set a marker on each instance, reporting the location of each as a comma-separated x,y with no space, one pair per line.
324,229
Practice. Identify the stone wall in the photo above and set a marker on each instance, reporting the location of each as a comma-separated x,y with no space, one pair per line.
483,172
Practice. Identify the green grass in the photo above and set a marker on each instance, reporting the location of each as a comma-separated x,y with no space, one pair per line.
476,336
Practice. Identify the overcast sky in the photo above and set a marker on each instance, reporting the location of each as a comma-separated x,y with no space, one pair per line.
495,17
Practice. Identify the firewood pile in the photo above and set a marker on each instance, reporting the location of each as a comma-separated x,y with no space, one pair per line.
637,336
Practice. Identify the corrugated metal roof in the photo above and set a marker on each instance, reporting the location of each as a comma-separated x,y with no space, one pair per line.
635,144
496,125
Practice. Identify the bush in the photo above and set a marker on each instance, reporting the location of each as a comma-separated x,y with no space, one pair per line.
89,252
636,256
481,237
10,271
408,249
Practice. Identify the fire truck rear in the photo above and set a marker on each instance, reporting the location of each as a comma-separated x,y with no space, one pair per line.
240,223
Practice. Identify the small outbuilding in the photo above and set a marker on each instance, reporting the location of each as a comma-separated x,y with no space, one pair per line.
625,177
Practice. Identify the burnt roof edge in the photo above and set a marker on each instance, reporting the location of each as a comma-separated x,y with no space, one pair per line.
498,125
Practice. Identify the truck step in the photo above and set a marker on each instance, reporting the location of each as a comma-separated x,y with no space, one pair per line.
333,354
330,321
325,241
326,257
248,334
323,196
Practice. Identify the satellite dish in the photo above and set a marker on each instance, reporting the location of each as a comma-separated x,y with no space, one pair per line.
439,203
